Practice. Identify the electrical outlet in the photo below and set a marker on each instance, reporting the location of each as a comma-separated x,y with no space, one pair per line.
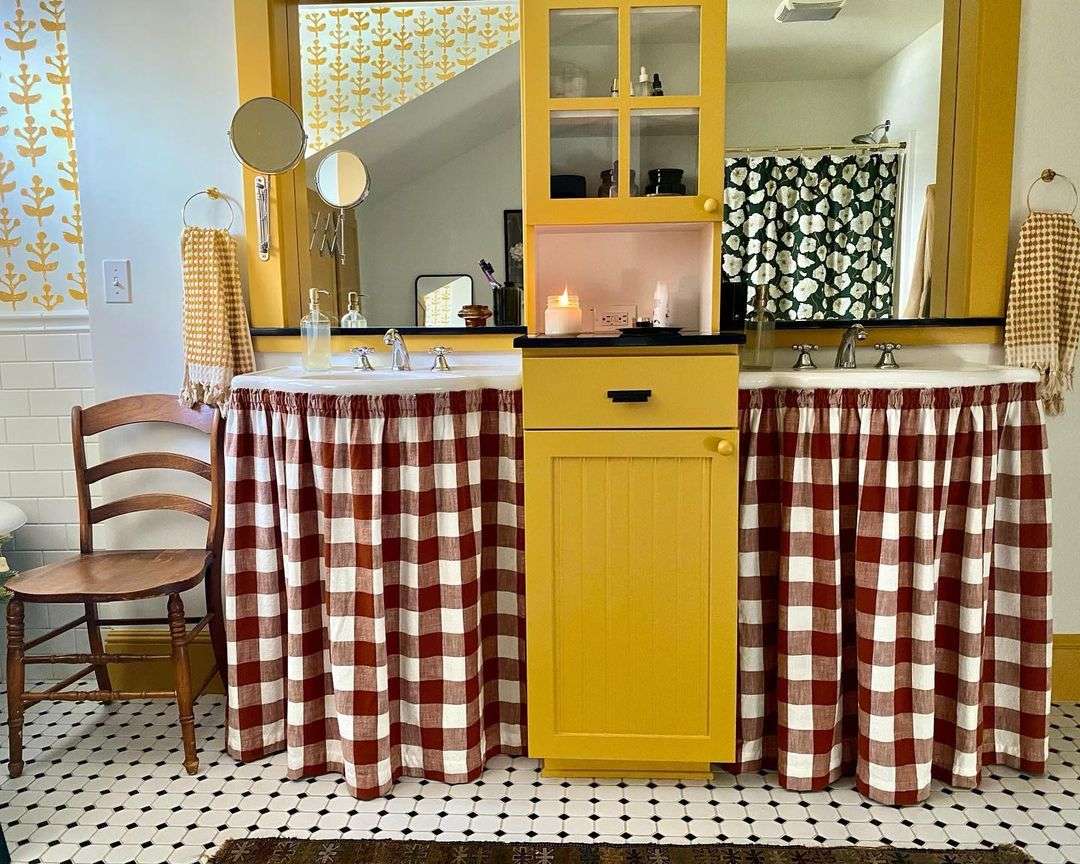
610,318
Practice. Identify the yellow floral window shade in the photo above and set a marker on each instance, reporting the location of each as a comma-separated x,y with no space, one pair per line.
361,61
41,229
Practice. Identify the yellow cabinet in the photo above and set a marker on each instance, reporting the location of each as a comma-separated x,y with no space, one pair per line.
631,562
575,53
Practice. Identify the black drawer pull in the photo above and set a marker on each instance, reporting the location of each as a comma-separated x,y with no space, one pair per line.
629,395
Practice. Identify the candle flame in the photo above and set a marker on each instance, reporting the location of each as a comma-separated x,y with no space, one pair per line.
564,298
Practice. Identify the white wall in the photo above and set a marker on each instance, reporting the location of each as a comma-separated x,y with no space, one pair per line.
792,113
907,90
1047,132
154,91
442,221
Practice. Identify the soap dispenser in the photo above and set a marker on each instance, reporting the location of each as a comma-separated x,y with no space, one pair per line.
353,317
315,335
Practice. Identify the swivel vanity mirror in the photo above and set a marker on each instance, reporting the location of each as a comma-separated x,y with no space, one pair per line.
343,182
268,137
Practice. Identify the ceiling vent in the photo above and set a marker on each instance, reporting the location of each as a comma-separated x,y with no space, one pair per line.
790,11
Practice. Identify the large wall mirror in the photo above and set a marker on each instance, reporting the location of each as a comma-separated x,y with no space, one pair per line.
832,158
427,96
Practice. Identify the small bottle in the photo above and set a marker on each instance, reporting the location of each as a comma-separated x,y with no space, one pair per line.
644,86
315,335
614,87
760,334
657,87
353,317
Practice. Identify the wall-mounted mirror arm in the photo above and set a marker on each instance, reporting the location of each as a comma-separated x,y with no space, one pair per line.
268,137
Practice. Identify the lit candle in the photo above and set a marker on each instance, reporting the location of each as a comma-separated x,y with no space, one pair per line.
563,314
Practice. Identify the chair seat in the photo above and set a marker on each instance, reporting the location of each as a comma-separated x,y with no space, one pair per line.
101,577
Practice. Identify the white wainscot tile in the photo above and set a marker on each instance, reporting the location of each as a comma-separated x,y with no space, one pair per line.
42,538
33,430
52,346
37,484
14,403
16,457
53,457
27,376
86,351
12,347
57,511
74,374
54,403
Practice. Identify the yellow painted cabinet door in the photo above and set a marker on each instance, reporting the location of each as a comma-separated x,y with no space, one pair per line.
584,116
631,594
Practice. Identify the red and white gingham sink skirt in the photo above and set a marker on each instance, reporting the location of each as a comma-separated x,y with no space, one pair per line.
374,583
894,586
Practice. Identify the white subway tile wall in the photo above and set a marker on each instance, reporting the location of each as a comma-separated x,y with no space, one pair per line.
42,375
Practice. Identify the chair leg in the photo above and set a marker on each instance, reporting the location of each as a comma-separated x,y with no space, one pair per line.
97,646
16,685
178,634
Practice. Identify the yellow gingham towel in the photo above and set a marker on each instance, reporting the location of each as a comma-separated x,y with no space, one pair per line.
217,342
1043,324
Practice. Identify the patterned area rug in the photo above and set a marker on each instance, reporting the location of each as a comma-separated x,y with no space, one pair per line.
428,852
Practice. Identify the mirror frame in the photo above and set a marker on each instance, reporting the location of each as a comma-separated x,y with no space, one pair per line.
978,101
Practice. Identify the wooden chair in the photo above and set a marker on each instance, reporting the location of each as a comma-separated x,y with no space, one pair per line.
106,577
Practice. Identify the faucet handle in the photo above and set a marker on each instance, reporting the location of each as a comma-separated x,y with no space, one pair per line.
439,352
363,358
887,360
805,359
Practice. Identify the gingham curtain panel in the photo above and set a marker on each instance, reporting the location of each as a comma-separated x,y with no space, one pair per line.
894,586
374,583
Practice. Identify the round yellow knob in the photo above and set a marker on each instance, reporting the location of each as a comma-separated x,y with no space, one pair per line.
711,205
725,448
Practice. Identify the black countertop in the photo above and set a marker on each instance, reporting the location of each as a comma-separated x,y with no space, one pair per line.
617,340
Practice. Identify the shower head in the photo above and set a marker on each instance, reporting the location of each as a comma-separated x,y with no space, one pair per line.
872,137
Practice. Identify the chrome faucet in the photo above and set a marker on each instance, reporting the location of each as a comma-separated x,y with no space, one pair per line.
399,354
845,354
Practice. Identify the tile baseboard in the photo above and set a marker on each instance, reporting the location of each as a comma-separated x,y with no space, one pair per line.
1066,669
156,674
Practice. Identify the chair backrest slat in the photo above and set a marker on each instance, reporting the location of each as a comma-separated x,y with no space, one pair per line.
151,408
150,501
139,461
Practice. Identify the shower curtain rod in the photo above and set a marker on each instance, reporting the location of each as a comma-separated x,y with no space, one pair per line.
858,148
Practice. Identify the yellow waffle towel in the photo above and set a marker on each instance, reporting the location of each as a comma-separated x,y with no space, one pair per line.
217,341
1042,328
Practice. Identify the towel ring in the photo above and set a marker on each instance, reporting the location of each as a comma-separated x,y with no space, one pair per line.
1049,175
214,194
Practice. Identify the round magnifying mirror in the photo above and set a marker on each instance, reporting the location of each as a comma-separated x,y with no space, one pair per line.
342,180
268,135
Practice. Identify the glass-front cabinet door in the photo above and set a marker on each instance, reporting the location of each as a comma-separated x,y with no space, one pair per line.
624,107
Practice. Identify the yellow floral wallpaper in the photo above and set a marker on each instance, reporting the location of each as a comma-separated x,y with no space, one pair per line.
360,61
41,230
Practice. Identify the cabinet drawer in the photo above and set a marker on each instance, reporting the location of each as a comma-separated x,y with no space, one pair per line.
672,392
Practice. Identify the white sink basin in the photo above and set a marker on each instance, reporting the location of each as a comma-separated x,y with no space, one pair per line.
469,371
910,376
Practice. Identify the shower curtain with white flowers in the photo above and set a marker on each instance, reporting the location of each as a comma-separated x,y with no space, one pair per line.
816,230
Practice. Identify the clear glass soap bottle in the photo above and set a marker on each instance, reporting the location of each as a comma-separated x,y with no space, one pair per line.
760,334
353,317
315,335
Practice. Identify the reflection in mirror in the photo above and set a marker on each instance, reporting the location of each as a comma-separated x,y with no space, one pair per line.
439,299
268,135
832,137
343,180
442,139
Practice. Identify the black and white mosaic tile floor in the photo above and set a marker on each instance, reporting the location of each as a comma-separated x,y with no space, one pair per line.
103,783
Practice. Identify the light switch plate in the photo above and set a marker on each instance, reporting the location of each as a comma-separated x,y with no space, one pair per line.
117,274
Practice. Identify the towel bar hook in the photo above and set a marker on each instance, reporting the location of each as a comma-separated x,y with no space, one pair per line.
1049,175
